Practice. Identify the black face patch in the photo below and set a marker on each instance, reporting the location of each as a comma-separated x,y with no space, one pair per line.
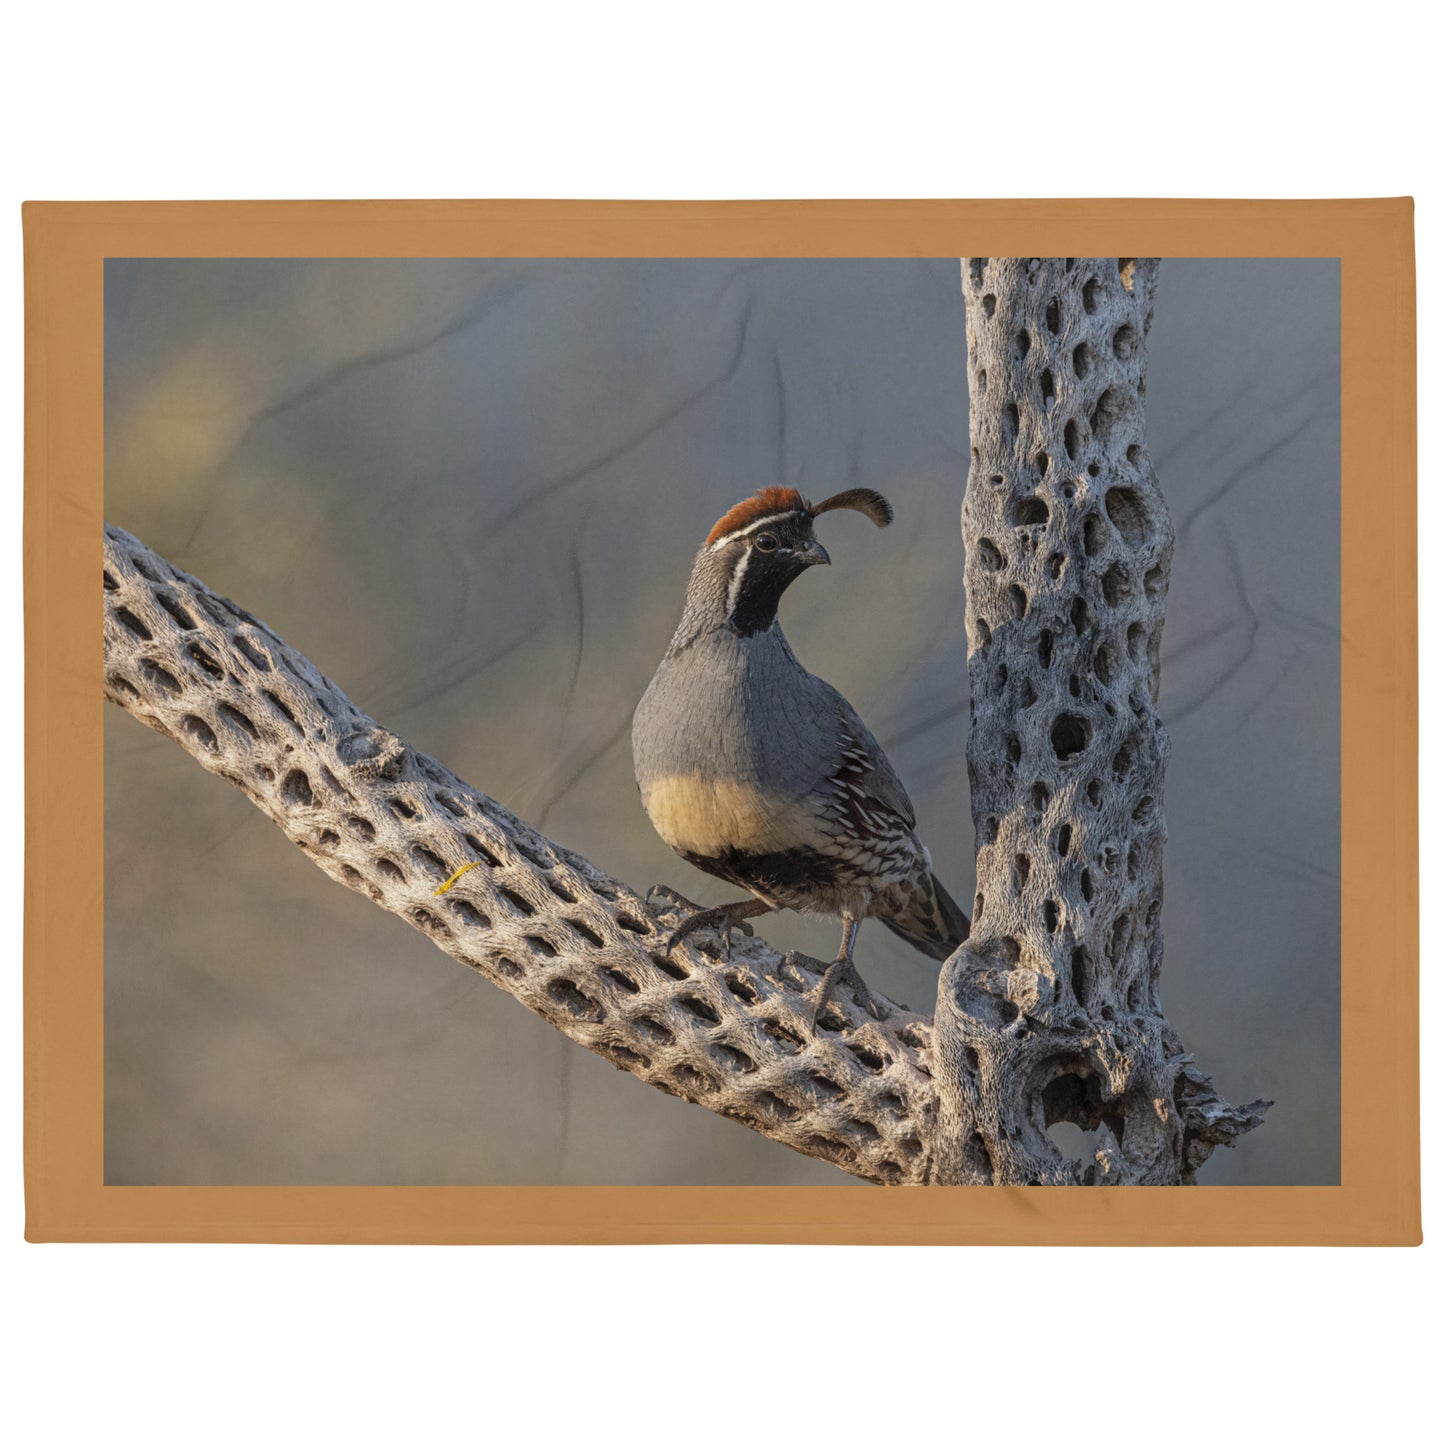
764,561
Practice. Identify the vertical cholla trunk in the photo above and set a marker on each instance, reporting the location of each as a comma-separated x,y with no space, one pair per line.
1051,1011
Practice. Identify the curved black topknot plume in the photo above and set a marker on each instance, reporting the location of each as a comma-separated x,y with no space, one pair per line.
872,504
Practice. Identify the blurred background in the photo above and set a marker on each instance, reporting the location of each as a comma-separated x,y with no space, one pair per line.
470,492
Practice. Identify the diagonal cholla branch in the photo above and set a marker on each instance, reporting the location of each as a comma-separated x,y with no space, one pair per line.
573,945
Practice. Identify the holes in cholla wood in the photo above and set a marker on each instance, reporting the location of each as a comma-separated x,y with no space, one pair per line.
1115,585
653,1030
430,863
202,658
1128,515
481,851
741,988
283,711
1077,1117
251,652
158,677
1069,735
428,922
586,934
577,1004
786,1038
516,902
468,913
296,789
699,1010
620,978
132,623
666,965
200,732
734,1060
173,605
242,725
1030,512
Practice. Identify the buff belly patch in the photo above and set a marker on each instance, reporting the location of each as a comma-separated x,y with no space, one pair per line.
709,816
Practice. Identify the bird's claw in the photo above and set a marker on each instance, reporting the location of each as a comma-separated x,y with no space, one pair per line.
661,890
716,918
841,970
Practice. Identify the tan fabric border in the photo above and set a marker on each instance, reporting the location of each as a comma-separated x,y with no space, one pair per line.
1378,1201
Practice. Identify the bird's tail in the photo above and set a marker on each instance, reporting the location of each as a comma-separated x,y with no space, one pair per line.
921,912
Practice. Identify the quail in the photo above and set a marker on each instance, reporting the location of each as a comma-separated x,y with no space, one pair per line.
761,774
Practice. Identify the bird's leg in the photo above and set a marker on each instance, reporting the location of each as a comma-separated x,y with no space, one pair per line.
729,915
842,970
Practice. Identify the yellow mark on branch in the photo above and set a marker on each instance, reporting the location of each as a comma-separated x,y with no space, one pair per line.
465,868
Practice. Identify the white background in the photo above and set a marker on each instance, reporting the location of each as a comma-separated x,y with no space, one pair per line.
150,101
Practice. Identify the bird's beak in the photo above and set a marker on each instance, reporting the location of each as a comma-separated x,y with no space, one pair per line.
813,555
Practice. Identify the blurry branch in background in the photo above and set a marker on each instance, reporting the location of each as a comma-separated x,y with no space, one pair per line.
1049,1014
575,946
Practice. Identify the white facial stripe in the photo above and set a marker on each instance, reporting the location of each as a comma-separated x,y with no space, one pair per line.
753,527
735,587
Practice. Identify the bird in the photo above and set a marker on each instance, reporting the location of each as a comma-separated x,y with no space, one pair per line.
759,773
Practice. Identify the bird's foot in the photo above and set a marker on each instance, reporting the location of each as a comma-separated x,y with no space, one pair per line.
795,969
724,918
841,971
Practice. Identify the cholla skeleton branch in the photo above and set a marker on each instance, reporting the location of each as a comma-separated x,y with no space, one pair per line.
575,946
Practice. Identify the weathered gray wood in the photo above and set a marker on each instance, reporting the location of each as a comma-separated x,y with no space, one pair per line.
1051,1011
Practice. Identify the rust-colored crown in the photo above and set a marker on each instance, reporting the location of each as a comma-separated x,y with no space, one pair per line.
768,501
779,501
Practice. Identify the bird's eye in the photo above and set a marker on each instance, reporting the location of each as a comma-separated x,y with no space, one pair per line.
765,542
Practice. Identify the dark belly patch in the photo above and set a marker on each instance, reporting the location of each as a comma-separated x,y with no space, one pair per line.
795,873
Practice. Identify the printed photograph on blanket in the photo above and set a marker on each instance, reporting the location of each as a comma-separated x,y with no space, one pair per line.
754,693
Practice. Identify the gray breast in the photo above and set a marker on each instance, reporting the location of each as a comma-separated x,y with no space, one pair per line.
733,744
742,709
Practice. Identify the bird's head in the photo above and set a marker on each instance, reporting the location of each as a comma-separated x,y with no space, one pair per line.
759,546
